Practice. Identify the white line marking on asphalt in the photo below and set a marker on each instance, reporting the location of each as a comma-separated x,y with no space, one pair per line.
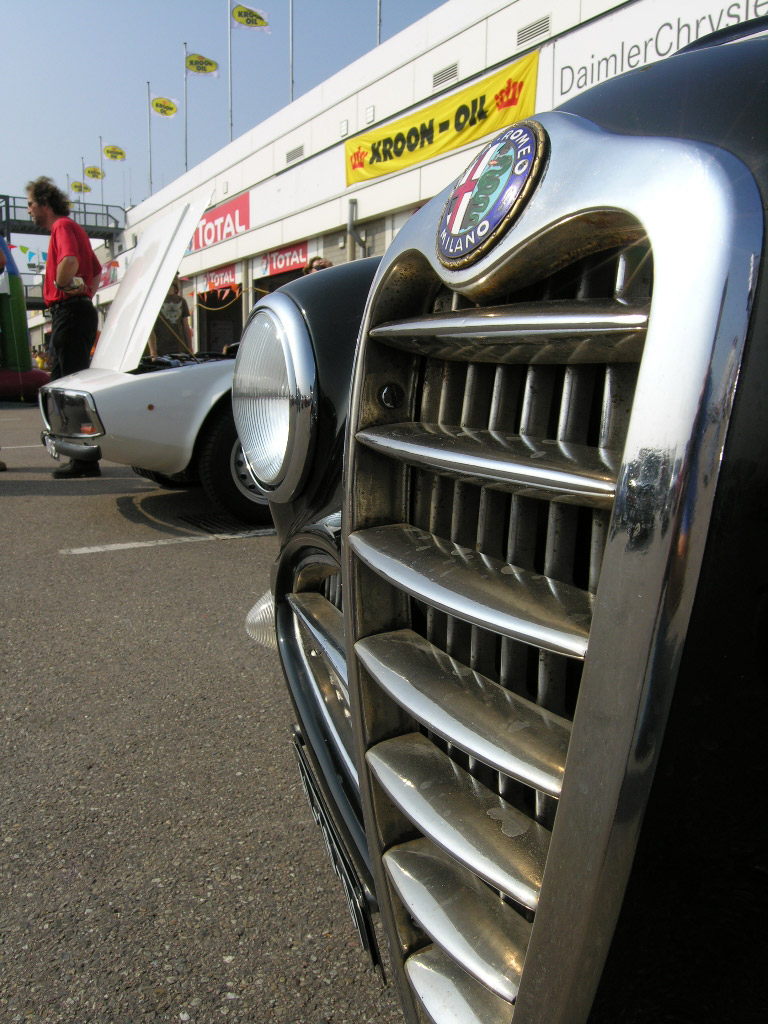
163,543
19,447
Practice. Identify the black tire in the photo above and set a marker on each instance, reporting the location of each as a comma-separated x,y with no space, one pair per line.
223,474
178,482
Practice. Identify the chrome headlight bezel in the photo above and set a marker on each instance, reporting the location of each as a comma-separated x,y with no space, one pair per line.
292,335
66,406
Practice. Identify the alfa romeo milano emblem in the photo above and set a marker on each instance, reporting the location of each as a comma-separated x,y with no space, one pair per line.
491,194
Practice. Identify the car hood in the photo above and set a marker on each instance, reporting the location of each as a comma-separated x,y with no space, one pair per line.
134,311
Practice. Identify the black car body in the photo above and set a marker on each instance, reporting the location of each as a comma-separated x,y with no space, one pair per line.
536,722
317,319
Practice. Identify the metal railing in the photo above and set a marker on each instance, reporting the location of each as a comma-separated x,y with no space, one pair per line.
99,221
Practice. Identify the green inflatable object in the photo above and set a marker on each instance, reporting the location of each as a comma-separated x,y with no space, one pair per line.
14,336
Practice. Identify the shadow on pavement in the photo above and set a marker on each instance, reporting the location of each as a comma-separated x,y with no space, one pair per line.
175,512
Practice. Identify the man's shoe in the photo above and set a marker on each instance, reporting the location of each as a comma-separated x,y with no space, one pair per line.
75,468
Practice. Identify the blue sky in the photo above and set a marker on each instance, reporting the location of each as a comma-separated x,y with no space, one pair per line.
76,72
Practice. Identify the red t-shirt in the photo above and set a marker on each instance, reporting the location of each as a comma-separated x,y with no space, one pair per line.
69,239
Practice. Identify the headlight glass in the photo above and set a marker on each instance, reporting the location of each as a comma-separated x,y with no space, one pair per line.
262,397
273,393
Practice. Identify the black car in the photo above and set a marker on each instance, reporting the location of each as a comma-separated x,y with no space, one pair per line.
523,568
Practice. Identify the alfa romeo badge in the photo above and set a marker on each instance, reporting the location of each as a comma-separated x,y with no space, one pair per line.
491,194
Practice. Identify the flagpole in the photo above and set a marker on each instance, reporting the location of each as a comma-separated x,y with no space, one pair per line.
229,43
290,44
185,108
101,168
82,194
149,136
378,23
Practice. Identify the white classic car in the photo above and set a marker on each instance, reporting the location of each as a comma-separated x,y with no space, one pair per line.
170,418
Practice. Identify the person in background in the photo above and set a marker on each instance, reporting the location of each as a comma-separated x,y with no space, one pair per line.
315,264
71,277
171,333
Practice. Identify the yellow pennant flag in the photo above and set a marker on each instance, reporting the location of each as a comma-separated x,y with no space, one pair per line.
94,172
249,17
162,106
114,153
197,64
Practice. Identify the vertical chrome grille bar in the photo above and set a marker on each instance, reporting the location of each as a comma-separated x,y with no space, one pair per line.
537,401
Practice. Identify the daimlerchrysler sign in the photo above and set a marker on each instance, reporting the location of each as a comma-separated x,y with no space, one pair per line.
640,34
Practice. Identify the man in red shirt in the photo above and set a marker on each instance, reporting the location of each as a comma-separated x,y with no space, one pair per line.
71,277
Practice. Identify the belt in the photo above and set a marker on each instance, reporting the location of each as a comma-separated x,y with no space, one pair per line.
54,306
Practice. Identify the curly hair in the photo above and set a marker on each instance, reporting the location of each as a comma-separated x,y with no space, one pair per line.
46,193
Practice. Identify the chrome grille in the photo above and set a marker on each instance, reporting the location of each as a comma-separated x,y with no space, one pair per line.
506,474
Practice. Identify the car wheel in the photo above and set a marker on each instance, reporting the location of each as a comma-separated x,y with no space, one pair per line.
224,475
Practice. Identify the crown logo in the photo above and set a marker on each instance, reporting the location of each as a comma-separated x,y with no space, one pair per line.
358,158
509,96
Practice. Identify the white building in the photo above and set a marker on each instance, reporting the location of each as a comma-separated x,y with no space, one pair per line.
339,170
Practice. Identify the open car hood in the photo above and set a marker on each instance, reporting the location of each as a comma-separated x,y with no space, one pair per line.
134,311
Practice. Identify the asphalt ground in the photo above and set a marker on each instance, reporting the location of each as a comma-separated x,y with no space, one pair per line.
158,860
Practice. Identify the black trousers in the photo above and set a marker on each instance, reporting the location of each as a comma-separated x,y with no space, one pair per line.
75,323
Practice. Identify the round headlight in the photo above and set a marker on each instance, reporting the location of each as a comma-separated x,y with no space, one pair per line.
273,396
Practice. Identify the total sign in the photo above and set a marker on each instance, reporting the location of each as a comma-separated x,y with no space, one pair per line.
222,223
292,257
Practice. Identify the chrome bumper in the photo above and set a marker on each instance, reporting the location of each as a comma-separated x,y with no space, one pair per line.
58,446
